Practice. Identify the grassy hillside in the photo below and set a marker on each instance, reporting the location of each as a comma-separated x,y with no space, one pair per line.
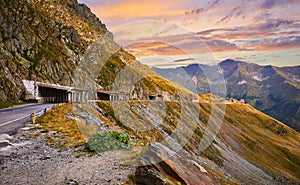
263,141
265,150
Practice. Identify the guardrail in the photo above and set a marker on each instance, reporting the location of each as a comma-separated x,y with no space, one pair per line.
40,113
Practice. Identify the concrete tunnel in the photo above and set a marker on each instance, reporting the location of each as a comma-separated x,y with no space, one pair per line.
52,95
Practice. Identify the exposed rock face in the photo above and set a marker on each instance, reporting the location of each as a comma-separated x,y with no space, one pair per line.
163,166
42,40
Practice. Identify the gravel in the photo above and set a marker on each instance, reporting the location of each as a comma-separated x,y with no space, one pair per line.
30,161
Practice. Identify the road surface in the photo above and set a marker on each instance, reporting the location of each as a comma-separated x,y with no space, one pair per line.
12,119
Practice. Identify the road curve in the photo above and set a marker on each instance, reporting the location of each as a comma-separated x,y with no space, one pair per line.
12,119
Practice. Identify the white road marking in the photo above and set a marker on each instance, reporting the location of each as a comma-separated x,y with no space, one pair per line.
13,120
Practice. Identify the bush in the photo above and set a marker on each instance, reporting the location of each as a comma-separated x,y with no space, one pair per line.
108,141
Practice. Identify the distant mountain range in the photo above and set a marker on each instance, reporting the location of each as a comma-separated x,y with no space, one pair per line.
273,90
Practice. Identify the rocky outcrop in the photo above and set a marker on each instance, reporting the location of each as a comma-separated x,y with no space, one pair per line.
160,165
42,40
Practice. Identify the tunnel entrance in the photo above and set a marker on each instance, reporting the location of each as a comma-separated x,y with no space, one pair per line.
103,96
52,95
152,97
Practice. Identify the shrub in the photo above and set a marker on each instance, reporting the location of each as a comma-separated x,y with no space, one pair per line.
108,141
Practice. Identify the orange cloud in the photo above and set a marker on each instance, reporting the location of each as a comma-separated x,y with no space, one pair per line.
135,9
179,46
145,49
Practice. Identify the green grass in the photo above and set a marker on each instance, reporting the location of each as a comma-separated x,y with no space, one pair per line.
7,104
11,104
108,141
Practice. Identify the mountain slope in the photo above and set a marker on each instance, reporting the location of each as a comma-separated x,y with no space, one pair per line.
250,148
273,90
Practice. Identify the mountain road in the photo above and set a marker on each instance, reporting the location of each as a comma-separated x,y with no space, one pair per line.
12,119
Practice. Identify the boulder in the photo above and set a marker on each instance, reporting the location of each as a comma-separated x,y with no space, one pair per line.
160,165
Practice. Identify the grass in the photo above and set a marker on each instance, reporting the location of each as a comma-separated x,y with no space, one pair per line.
110,70
146,135
170,121
220,178
153,84
69,132
7,104
266,143
11,104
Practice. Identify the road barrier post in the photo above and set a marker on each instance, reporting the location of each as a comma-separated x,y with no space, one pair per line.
34,118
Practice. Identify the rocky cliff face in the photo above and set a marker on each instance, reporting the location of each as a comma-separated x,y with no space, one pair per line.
42,40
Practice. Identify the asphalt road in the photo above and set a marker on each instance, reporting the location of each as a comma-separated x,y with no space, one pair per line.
12,119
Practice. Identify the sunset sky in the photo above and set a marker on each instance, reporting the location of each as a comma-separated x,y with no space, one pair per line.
172,33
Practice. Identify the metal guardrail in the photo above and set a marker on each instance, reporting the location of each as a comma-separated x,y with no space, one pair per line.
35,115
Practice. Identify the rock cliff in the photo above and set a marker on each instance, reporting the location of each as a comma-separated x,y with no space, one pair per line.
42,40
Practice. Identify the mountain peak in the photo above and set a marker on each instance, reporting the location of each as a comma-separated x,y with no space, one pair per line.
228,61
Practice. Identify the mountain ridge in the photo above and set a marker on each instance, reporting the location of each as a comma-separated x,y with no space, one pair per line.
271,89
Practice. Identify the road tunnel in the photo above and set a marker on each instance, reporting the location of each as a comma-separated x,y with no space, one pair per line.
48,94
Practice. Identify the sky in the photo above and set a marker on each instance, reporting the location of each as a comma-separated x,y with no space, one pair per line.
171,33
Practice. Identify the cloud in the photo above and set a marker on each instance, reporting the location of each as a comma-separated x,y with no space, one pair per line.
292,42
270,28
237,11
272,25
269,4
209,5
180,45
221,45
278,43
120,11
259,10
184,60
144,49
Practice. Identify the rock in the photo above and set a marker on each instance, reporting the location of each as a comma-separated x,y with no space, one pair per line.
5,144
160,165
5,137
25,128
2,159
72,182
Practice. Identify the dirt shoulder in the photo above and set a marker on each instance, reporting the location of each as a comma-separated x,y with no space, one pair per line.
28,160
